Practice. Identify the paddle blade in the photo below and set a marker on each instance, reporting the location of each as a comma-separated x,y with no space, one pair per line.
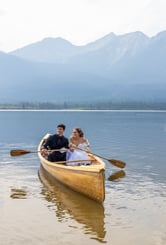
117,163
15,153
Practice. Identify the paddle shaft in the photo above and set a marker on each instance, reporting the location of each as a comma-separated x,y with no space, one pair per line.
115,162
19,152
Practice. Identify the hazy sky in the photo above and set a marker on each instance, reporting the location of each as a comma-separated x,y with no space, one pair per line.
79,21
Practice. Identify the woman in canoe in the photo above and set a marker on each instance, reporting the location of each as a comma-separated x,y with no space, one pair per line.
78,145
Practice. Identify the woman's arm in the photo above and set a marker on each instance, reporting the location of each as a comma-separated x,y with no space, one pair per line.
86,142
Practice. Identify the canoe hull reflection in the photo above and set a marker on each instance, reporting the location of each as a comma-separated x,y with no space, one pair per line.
88,180
71,205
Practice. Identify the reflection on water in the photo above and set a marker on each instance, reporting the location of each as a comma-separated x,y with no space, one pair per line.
18,193
71,205
117,175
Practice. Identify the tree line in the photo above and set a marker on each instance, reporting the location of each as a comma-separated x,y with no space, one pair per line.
98,105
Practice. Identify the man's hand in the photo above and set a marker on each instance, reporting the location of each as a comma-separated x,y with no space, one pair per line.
44,152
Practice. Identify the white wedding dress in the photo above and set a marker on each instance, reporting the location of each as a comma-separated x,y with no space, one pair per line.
78,155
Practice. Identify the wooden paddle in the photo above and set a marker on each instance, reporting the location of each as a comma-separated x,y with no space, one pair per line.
18,152
117,163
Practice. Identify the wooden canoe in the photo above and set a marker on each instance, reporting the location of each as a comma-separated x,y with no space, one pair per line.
88,180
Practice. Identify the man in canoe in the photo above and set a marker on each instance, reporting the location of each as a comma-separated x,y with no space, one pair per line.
56,141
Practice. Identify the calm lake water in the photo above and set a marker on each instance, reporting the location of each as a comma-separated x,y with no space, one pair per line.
34,211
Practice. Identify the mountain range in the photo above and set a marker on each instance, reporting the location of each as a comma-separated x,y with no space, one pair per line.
128,67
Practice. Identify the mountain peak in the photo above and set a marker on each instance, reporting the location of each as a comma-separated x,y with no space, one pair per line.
102,42
137,35
160,35
46,50
55,41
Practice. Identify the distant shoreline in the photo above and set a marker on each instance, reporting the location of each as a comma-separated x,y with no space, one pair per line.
85,106
71,110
